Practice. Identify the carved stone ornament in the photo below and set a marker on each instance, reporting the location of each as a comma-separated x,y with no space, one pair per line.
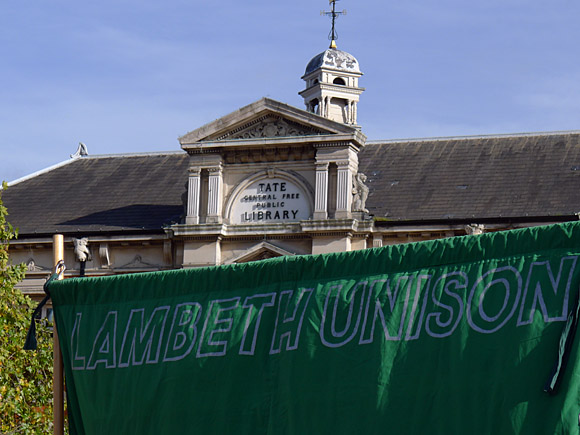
360,192
138,263
31,266
82,249
81,151
104,255
474,229
273,127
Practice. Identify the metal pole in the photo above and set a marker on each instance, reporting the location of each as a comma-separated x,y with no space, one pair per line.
57,374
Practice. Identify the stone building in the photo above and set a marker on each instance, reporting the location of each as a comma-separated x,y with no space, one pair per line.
270,179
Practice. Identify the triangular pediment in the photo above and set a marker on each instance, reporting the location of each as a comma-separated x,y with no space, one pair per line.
267,126
265,118
262,251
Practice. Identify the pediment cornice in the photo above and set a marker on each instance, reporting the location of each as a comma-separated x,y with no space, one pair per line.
265,119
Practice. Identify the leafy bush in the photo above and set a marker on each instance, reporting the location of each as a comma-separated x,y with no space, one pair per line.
25,376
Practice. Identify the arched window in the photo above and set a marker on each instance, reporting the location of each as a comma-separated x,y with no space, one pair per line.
339,81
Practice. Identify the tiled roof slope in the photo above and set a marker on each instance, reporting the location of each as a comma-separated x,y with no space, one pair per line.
535,175
478,177
101,194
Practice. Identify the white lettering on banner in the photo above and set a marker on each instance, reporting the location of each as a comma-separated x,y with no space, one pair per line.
349,313
533,292
286,325
210,327
436,326
270,200
339,338
183,332
391,317
421,288
143,341
105,344
253,321
78,362
506,279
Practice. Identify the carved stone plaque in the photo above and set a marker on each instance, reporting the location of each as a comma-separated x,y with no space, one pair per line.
270,200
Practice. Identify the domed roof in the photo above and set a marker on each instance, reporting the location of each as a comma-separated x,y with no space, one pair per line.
333,59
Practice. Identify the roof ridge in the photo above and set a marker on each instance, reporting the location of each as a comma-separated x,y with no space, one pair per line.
41,171
136,154
473,137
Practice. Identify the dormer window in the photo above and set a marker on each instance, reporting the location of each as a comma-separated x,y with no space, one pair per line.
339,81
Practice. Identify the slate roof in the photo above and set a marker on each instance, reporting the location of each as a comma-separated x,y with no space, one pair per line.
535,175
448,179
101,194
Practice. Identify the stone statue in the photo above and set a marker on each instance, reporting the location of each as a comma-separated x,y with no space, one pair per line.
82,250
360,192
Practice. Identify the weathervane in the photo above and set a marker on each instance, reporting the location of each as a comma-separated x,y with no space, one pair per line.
333,36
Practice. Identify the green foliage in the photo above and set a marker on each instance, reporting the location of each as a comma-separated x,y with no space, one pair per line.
25,376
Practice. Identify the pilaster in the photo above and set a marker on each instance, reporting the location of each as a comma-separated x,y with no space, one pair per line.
321,194
193,191
343,190
214,201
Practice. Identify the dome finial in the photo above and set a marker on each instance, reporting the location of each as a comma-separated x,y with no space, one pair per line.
333,36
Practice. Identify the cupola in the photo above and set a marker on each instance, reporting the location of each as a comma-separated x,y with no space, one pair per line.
331,78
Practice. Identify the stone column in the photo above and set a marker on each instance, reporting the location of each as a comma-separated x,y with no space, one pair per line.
193,190
343,191
348,111
214,197
321,196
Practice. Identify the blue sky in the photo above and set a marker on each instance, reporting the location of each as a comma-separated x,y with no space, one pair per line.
131,76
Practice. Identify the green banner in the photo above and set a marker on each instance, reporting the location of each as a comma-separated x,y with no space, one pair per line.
453,336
